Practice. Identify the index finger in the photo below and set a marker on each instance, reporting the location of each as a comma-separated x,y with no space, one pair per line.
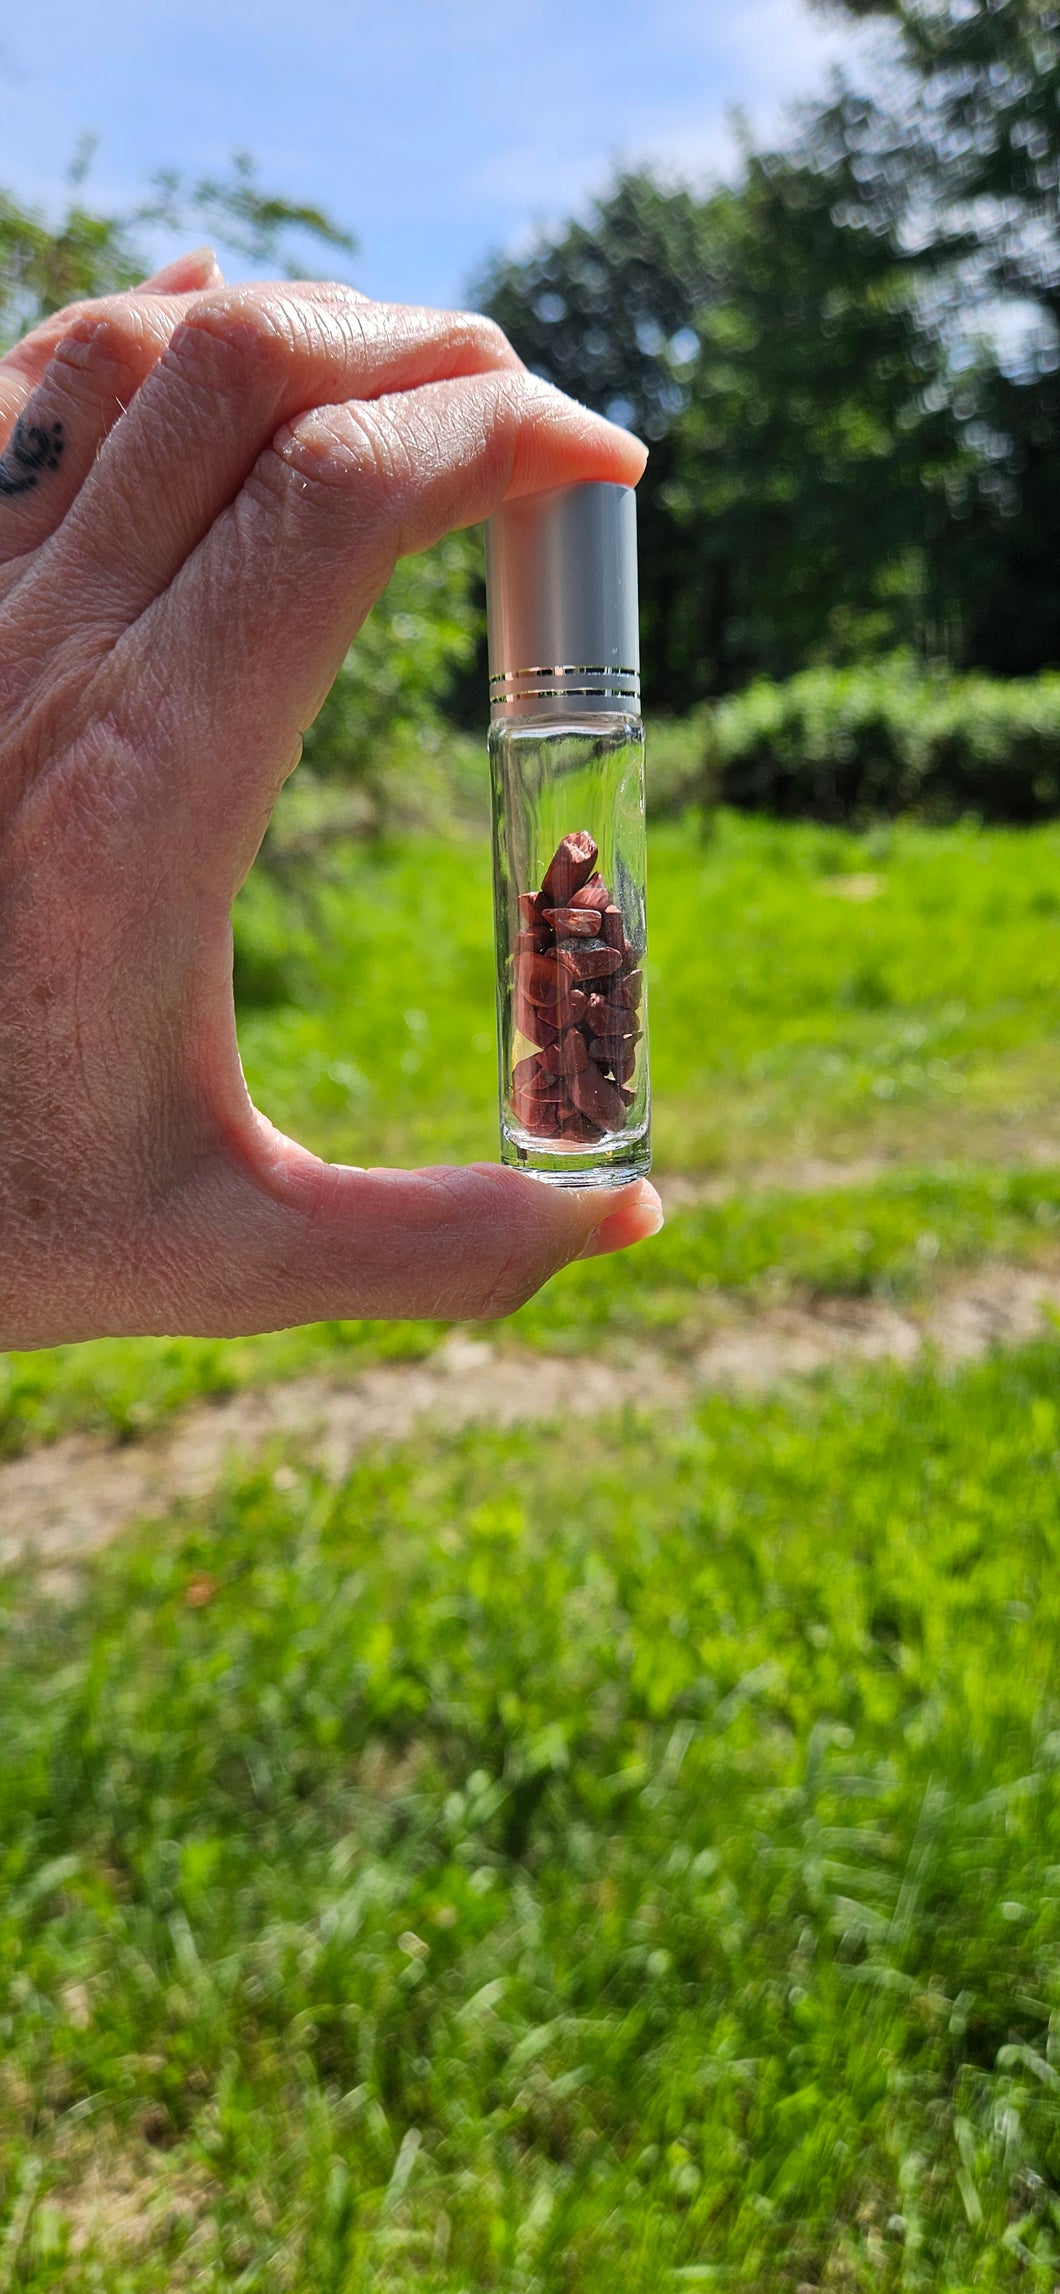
240,365
23,366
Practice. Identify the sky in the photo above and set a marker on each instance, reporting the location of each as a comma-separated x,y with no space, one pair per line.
438,131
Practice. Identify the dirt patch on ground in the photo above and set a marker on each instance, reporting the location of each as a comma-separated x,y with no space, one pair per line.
819,1174
123,2206
60,1504
998,1306
809,1175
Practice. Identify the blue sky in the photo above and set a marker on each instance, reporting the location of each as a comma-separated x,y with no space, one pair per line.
436,129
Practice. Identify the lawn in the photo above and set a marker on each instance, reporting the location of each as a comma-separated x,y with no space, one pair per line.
554,1860
789,1022
810,993
621,1853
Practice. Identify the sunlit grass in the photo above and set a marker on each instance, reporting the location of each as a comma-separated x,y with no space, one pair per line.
787,1019
568,1858
785,1015
612,1855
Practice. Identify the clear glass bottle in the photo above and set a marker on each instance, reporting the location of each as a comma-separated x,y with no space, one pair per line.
567,765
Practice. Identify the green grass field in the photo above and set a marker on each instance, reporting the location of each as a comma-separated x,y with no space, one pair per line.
624,1853
788,1021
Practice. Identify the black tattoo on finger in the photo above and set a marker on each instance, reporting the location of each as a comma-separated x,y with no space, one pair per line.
30,452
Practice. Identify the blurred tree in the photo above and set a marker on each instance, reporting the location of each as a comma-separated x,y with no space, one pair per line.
386,697
770,349
961,145
811,460
44,265
606,309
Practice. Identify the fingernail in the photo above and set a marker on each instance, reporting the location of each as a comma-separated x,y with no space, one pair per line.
197,269
632,1222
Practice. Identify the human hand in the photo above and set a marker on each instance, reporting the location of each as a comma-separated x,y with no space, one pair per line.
203,491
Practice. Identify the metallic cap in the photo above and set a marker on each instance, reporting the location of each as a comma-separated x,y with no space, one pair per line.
561,592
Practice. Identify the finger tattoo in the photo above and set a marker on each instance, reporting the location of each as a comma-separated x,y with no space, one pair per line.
30,453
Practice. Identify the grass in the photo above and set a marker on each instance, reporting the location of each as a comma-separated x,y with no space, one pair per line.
787,1021
787,1018
897,1238
623,1855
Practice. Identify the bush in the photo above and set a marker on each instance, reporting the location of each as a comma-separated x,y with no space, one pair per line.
836,744
387,695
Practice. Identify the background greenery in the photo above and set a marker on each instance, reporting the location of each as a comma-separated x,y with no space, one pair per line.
627,1849
624,1845
846,362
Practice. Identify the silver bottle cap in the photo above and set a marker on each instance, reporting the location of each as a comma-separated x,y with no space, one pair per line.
561,592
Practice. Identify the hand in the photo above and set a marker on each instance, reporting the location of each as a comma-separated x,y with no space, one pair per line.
203,491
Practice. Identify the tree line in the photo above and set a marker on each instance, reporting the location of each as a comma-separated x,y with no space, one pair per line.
845,363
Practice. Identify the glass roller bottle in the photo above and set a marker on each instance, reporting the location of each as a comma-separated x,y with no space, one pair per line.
567,769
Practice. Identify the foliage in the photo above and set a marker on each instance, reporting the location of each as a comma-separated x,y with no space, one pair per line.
774,353
849,359
809,465
960,146
982,128
888,738
45,264
812,992
552,1862
604,307
814,996
381,723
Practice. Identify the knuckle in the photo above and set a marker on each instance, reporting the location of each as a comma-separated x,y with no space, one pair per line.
99,342
519,1254
225,336
506,1286
503,1296
486,336
339,449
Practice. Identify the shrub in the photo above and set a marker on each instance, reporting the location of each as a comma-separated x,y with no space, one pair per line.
888,737
387,694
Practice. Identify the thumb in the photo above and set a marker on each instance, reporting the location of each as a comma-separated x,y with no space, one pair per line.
306,1241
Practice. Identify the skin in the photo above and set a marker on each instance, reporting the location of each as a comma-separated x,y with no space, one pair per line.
202,491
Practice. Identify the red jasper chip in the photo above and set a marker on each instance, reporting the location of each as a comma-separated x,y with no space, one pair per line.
531,1076
606,1017
572,1052
576,923
536,977
543,1119
630,988
530,907
588,959
612,929
531,1109
570,867
592,895
531,1022
595,1097
620,1056
572,1004
533,941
